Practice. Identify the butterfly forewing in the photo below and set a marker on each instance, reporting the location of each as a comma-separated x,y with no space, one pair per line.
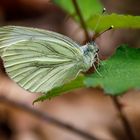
39,60
12,34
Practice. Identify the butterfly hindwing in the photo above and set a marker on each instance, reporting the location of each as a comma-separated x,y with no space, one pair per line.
40,61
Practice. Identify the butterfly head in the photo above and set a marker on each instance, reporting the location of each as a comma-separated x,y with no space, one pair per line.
93,50
90,54
92,47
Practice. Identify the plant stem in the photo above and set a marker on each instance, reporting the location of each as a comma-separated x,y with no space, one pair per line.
124,120
82,22
47,118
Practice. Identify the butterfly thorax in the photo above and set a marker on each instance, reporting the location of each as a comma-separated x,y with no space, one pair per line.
90,51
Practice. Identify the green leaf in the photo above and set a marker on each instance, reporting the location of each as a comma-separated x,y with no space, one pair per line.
119,73
91,11
118,21
87,7
75,84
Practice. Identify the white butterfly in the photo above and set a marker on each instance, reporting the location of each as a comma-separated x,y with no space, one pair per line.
40,60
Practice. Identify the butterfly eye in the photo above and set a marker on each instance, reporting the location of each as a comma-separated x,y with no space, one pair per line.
97,50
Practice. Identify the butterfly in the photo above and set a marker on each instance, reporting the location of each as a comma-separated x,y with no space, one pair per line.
40,60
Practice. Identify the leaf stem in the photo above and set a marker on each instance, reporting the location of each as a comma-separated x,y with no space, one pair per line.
124,120
82,22
47,118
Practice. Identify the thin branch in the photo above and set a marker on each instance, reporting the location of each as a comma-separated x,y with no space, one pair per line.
46,117
77,9
124,120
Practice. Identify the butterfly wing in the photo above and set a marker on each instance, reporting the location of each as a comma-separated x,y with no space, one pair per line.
12,34
41,60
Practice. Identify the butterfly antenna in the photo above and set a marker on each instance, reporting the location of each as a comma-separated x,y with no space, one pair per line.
99,34
100,17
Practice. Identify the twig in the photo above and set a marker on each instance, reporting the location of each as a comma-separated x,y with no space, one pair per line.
46,117
124,120
77,9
